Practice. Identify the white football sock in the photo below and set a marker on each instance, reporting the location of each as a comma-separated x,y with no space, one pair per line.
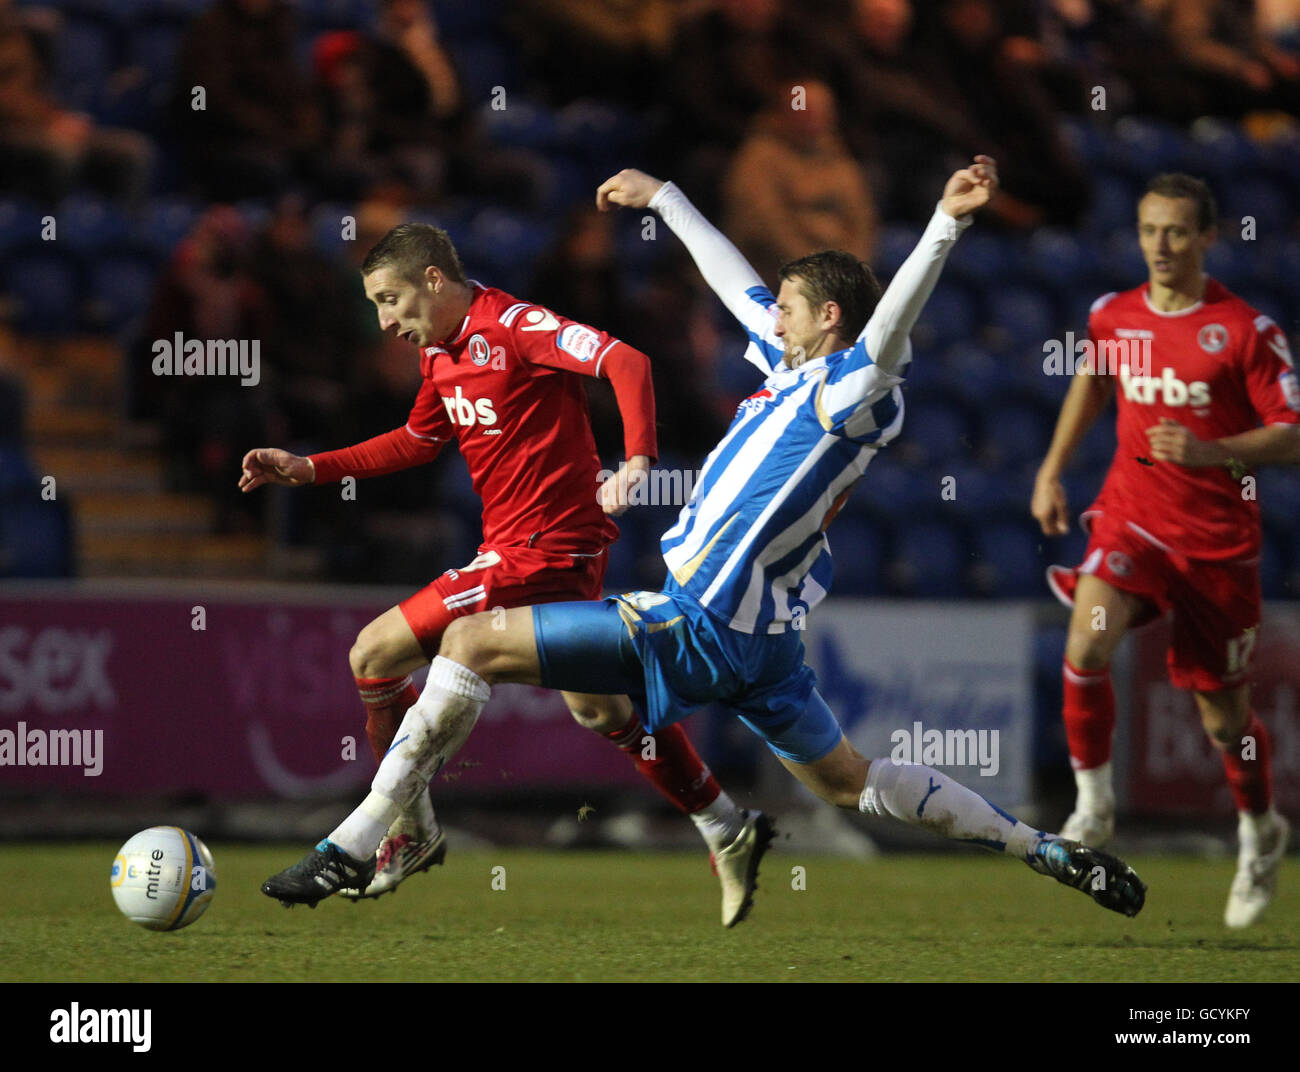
434,728
923,796
719,822
418,820
1256,831
1095,794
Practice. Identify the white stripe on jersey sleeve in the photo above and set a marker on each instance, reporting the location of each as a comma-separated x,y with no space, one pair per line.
732,278
886,332
508,317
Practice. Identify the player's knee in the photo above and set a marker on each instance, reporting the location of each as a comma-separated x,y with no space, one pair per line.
369,654
469,641
600,714
1088,649
1224,717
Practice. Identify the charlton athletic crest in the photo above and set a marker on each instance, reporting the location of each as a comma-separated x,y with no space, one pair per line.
1213,338
478,350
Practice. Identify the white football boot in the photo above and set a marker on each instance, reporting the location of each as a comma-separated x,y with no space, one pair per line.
414,843
737,866
1256,878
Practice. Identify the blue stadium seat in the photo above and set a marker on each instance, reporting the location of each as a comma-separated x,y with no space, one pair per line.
1260,197
1060,259
506,241
525,124
1010,559
154,48
858,553
35,537
970,368
1278,494
85,54
948,316
1122,256
1017,431
89,225
44,289
1231,263
893,244
121,289
335,14
973,492
484,63
1270,304
935,431
1273,567
162,224
1221,148
980,259
597,130
929,559
1145,147
890,489
457,19
20,225
1023,316
1113,205
327,227
1087,141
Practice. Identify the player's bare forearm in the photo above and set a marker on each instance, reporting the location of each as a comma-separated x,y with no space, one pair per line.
1277,444
1086,398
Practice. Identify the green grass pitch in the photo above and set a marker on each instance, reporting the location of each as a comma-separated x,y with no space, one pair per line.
615,916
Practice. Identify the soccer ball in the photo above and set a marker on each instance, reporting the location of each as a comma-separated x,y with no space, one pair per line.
163,878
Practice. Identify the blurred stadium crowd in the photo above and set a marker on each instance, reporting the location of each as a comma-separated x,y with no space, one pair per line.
219,168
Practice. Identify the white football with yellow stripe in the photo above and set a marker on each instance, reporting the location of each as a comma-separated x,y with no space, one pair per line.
163,878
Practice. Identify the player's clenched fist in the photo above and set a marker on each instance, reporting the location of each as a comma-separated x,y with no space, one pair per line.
970,188
629,188
270,465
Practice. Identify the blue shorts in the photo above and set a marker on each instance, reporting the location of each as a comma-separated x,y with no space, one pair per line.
671,656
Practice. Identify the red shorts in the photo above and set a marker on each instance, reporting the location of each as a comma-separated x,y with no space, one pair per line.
1216,605
501,577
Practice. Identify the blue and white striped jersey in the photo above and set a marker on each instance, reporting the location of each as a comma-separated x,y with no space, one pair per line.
750,545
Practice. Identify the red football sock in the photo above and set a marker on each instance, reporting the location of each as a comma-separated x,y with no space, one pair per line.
676,770
387,700
1251,779
1089,715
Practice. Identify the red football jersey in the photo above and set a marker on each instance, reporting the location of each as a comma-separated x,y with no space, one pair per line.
1219,368
498,387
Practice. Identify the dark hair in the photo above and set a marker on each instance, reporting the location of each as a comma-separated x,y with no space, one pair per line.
1176,184
410,248
833,275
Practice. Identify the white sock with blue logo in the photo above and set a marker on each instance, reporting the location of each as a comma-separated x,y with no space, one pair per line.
923,796
433,730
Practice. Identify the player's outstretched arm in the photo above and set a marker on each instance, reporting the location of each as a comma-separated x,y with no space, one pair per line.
270,465
720,262
967,191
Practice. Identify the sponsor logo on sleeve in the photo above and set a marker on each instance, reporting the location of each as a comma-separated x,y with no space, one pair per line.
579,341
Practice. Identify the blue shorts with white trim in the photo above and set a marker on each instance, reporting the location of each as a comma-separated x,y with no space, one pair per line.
667,653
